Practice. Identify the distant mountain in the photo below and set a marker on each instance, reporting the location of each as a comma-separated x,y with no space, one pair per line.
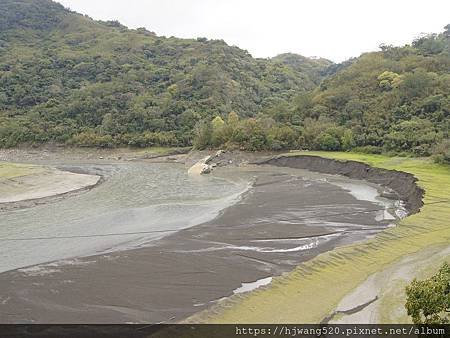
67,78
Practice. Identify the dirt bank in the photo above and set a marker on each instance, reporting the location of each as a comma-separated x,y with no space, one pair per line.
49,154
404,185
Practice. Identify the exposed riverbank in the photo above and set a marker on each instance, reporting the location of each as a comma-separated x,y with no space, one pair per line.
288,217
52,154
26,185
257,239
316,290
35,177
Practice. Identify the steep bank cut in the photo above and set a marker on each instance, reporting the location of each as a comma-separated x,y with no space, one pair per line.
403,184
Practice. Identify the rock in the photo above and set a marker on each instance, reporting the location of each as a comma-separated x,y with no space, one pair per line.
206,169
219,152
201,167
207,159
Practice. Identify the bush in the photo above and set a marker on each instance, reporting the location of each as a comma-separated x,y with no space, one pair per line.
428,301
326,141
348,140
416,136
90,139
441,153
203,135
282,137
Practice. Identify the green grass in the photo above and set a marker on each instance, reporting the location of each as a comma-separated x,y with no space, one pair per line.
160,151
13,170
312,291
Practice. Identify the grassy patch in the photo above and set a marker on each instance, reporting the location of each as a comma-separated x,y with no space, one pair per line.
12,170
160,151
313,290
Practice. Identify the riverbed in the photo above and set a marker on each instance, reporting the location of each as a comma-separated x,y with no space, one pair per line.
137,203
154,244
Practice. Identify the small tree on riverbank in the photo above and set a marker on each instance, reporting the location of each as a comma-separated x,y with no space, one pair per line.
428,301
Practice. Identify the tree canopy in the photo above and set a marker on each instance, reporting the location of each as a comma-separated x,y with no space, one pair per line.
428,301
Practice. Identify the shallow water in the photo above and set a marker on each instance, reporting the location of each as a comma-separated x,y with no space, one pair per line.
286,218
140,202
135,197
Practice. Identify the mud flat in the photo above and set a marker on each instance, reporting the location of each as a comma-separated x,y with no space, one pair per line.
22,184
329,286
288,217
403,185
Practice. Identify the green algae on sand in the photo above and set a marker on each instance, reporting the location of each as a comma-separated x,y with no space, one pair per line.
13,170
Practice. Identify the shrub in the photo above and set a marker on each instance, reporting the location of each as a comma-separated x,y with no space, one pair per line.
203,135
441,153
428,301
327,141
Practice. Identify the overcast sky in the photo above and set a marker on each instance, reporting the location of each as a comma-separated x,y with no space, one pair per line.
335,29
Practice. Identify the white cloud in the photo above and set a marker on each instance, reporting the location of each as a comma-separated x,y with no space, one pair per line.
333,29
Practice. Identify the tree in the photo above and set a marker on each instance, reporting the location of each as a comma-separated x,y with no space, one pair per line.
109,125
203,135
447,31
233,119
428,301
218,131
389,80
347,140
217,123
417,84
415,135
326,141
441,152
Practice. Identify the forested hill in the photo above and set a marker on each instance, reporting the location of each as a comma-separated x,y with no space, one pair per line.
69,79
396,100
66,78
393,101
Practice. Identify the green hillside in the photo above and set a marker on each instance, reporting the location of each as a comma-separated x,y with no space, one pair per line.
66,78
393,101
69,79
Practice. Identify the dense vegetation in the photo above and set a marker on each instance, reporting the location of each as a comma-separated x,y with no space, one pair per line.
396,100
428,301
67,78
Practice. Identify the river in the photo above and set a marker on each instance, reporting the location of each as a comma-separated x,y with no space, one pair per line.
135,197
183,242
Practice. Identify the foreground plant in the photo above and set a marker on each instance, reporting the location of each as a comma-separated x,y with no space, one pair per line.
428,301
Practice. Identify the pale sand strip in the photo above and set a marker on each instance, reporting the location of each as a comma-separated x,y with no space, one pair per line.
43,183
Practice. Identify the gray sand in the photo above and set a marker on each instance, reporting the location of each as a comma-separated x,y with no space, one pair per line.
282,221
